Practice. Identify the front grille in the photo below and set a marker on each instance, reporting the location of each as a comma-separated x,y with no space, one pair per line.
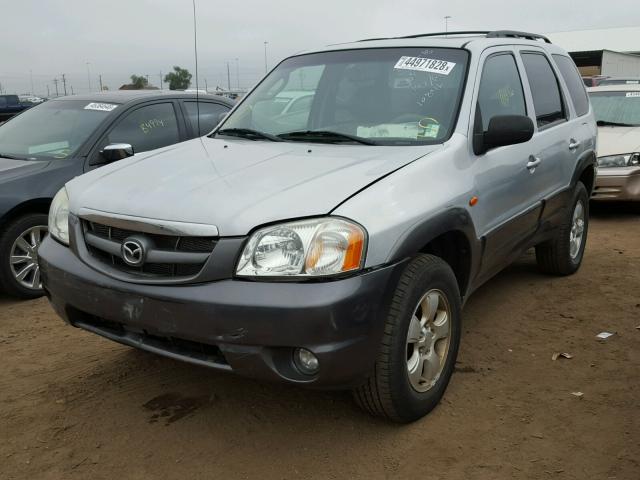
161,243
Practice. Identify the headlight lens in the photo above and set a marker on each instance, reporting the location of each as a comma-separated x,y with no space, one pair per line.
624,160
59,217
307,248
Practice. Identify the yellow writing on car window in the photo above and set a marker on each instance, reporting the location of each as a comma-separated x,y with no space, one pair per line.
504,95
152,124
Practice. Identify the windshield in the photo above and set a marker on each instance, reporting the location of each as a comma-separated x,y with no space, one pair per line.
617,107
52,130
391,96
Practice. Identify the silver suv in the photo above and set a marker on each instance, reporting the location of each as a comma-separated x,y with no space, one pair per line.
329,239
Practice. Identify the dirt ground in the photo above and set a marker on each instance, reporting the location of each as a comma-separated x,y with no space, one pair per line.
74,405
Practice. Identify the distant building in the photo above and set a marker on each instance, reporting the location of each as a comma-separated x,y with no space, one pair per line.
612,52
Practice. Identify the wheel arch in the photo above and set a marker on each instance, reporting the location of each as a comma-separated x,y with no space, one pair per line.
34,205
449,235
586,171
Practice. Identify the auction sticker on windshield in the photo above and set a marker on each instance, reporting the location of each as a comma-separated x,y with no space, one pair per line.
429,65
102,107
632,94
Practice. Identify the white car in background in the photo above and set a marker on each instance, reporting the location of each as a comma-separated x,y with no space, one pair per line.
617,109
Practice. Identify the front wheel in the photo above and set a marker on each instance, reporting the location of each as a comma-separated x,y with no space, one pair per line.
19,243
419,345
563,254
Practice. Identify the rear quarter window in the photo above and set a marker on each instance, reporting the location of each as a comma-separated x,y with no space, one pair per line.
574,83
547,98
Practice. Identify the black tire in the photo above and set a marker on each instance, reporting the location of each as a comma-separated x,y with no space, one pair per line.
554,256
8,283
388,391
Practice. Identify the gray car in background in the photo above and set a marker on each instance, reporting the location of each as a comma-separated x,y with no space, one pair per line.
333,245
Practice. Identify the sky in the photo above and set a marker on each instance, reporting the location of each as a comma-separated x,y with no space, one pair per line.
42,39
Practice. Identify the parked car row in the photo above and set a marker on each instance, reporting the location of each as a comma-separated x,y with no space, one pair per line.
48,145
11,105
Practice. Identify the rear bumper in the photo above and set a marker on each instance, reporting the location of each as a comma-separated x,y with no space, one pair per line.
250,328
618,187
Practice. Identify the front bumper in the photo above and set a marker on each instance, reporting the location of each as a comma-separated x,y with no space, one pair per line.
618,184
247,327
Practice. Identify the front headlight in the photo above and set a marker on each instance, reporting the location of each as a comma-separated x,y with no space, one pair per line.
624,160
306,248
59,217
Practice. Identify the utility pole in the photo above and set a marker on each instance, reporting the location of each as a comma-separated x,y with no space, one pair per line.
64,84
89,76
206,87
238,73
100,79
31,77
446,23
147,79
265,57
228,78
55,82
161,87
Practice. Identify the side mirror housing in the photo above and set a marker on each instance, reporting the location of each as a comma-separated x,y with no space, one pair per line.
116,151
503,130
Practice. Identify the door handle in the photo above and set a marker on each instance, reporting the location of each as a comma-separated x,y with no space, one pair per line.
573,144
533,163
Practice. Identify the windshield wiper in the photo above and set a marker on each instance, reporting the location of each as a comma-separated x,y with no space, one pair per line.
324,136
12,157
602,123
248,133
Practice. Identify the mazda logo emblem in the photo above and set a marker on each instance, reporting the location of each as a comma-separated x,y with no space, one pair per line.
133,252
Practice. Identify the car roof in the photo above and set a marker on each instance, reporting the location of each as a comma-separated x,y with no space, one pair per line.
126,96
624,87
476,40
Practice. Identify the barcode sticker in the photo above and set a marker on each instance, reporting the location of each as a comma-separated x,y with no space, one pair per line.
420,64
102,107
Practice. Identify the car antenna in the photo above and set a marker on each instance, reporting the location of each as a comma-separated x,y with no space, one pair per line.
195,50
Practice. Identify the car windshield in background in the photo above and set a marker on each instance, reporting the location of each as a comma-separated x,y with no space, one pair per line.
390,96
617,108
52,130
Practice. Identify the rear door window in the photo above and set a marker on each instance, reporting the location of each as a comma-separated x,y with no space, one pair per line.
574,83
147,128
209,115
547,99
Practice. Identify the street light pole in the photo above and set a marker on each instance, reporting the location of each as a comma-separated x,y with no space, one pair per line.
446,23
238,73
265,57
89,76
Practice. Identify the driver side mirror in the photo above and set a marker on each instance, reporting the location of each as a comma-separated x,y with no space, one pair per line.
116,151
502,130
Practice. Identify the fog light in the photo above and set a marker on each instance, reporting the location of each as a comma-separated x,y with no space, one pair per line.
306,361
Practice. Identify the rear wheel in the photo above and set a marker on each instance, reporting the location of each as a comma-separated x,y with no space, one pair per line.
419,346
19,243
563,254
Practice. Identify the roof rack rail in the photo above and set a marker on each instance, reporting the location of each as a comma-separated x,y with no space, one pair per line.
487,33
517,34
435,34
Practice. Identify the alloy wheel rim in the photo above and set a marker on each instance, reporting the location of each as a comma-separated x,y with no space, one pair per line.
428,340
23,257
577,230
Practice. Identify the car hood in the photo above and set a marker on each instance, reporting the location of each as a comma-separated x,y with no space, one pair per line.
616,140
237,185
10,169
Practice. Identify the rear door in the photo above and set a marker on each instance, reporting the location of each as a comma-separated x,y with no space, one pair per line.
556,141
